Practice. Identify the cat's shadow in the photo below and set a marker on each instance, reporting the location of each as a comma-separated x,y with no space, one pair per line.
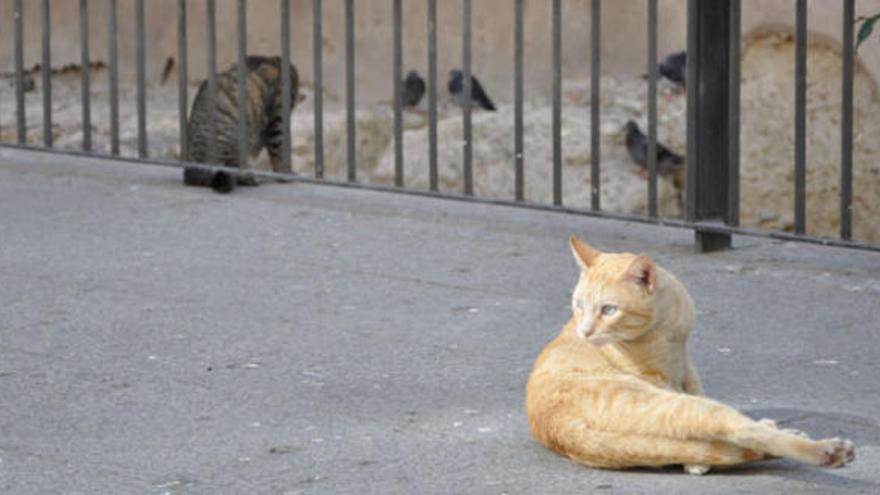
782,468
792,470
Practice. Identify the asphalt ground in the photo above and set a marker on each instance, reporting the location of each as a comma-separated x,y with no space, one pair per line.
295,338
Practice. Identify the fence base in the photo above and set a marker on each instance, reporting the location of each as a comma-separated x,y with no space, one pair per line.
707,242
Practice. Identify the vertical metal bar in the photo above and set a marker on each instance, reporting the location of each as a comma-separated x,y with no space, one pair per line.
243,113
141,79
84,75
518,153
317,49
466,87
398,102
114,77
557,102
46,66
182,104
693,110
286,102
432,95
733,112
21,124
846,123
708,86
595,102
211,28
652,108
800,116
349,91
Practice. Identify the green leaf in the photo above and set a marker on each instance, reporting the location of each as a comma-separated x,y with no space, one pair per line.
866,29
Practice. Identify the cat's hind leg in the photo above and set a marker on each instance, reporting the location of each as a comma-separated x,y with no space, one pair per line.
273,137
615,450
651,411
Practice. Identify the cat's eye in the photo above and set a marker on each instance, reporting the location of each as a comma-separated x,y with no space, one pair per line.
608,310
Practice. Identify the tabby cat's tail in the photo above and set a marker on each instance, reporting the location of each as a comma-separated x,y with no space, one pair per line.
218,180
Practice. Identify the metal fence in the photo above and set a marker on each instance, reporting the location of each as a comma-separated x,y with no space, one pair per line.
713,86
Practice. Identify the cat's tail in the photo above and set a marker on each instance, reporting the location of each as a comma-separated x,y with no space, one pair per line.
197,176
220,181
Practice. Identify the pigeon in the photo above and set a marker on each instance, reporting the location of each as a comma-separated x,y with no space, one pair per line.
413,89
674,68
478,95
27,83
637,146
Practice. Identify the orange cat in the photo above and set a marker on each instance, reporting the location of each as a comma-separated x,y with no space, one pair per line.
616,389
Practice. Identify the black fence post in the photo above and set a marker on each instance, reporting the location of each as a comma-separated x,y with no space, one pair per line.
711,177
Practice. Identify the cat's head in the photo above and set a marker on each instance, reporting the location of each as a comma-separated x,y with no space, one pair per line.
269,69
614,297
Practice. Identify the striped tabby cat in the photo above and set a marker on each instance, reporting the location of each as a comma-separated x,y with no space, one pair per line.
616,389
264,114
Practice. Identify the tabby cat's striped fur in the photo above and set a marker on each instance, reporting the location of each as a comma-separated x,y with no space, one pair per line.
264,118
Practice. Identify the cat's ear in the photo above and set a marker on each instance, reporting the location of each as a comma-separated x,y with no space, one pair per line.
583,254
643,271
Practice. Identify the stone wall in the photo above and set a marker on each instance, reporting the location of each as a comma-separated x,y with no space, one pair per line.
767,139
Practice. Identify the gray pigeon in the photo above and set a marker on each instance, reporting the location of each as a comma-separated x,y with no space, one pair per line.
478,95
413,89
27,83
674,68
637,146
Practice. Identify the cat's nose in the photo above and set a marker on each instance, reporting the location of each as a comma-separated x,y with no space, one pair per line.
584,327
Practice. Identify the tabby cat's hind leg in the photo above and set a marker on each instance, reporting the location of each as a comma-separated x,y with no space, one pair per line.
273,137
279,167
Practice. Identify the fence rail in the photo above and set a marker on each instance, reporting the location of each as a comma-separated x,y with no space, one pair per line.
713,97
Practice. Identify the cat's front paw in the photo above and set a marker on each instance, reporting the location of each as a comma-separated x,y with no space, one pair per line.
836,452
696,469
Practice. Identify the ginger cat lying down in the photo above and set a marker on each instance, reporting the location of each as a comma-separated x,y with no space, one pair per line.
616,389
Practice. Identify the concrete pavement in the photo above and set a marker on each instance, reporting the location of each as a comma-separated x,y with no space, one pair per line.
294,338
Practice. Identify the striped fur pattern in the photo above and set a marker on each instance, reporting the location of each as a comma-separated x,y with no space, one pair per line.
615,389
264,116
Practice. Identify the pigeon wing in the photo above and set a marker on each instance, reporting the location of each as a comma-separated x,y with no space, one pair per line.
480,95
